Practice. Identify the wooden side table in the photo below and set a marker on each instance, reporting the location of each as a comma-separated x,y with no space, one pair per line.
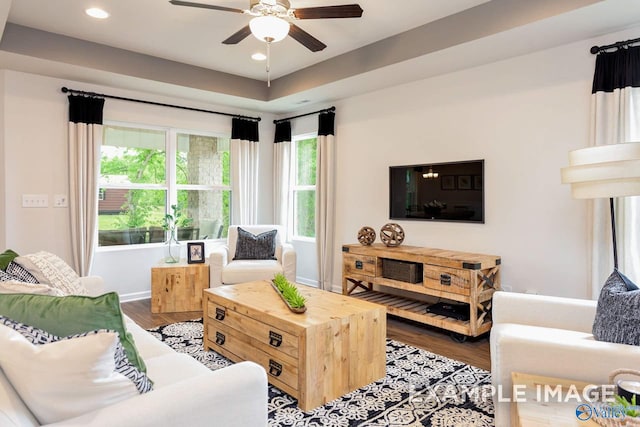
535,411
178,287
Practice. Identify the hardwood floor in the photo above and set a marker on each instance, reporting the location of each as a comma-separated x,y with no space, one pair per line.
474,351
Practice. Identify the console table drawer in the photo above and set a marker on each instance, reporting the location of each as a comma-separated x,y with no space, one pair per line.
446,279
359,264
262,332
279,367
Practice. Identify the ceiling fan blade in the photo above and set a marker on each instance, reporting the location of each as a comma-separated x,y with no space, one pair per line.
306,39
323,12
204,6
238,36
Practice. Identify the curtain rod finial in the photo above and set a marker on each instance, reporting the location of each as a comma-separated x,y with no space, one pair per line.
594,50
64,89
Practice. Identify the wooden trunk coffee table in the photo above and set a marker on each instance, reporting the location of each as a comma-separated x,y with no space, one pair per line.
336,346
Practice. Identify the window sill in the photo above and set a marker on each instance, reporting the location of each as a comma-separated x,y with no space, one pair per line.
303,239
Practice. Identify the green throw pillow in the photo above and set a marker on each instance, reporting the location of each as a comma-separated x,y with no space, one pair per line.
73,314
6,257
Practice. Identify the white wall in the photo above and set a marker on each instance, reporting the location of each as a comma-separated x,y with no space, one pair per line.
521,115
35,158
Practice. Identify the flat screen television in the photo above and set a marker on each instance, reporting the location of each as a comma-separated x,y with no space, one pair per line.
451,191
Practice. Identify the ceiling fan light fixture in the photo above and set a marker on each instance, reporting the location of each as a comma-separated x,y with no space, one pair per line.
269,29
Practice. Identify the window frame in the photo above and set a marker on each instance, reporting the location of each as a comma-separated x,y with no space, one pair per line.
293,187
170,185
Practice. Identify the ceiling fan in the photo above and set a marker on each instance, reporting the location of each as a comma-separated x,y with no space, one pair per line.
271,20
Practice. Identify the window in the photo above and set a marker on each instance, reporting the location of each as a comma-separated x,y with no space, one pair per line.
144,170
303,187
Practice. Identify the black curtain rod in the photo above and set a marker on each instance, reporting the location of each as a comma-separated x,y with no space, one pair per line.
598,49
81,92
326,110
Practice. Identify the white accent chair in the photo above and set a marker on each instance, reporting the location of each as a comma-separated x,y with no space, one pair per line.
549,336
224,270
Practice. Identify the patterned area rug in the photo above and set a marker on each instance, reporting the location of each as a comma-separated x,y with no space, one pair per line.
420,389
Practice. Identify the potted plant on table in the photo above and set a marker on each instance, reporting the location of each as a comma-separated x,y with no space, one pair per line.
170,224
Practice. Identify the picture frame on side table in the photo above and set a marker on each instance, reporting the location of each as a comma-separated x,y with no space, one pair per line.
195,252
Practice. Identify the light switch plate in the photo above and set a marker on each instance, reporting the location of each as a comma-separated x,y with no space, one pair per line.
35,201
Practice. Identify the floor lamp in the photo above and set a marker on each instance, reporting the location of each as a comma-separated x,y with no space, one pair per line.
605,171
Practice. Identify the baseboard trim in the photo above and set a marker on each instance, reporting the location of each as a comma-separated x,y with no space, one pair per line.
135,296
305,281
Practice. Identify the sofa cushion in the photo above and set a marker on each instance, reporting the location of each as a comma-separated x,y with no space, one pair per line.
74,374
6,257
148,345
13,411
74,314
49,268
20,273
250,270
183,367
251,246
618,314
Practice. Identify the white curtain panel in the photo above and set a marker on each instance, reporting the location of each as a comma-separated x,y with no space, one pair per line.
84,156
244,182
281,181
85,139
615,118
325,208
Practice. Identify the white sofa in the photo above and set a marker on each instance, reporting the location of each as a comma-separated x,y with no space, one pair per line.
186,393
223,269
549,336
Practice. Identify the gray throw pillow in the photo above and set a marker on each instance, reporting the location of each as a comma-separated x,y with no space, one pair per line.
618,314
250,246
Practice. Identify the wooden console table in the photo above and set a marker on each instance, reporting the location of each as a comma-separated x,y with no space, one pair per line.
178,287
453,276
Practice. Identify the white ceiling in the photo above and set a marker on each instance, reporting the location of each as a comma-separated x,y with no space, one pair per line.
193,35
394,42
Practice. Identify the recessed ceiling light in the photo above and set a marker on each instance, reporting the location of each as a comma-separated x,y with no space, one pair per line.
95,12
259,56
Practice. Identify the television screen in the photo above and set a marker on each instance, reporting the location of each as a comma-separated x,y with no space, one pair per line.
438,191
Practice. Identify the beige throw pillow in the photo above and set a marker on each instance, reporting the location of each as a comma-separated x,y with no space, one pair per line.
70,376
51,269
17,287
